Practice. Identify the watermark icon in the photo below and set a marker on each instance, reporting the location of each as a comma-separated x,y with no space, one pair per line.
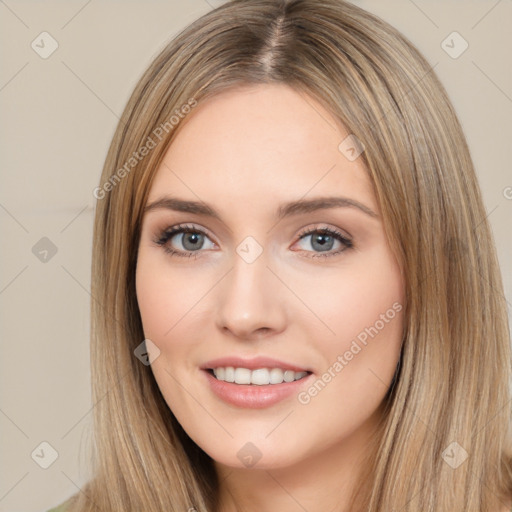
44,249
351,147
44,45
454,45
454,455
249,249
151,142
44,455
304,397
249,454
507,192
146,352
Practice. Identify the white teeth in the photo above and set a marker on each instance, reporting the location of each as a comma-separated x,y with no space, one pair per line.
289,376
242,376
229,375
276,376
259,377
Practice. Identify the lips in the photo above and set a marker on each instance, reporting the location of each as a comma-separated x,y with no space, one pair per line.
254,395
254,363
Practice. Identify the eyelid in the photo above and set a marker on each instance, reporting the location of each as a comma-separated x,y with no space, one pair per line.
185,227
311,228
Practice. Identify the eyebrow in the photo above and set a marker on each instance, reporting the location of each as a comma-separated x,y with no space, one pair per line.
298,207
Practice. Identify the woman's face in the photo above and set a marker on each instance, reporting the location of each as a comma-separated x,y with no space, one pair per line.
263,260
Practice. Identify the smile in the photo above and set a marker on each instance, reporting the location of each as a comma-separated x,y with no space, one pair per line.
258,377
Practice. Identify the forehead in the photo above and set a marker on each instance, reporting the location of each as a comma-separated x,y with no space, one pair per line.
258,145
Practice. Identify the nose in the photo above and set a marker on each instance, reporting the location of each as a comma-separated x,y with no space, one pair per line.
251,301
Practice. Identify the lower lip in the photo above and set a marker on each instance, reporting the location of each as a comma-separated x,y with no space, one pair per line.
253,396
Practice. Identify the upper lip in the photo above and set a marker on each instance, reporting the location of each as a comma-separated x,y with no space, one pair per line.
252,364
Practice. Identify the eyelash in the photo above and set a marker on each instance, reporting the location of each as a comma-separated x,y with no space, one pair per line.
168,233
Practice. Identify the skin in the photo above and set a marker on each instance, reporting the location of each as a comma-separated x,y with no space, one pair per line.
245,152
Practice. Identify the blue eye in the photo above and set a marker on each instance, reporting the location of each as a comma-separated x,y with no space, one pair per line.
324,239
193,240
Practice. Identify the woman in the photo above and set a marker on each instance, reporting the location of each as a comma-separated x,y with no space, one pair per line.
296,298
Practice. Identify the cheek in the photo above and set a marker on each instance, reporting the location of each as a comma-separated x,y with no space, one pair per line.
362,356
156,305
166,299
351,302
362,306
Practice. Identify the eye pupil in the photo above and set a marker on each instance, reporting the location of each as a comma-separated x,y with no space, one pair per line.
323,240
196,237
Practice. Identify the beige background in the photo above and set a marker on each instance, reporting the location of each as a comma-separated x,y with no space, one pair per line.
58,115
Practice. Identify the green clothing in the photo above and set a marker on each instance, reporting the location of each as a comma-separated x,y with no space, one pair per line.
60,508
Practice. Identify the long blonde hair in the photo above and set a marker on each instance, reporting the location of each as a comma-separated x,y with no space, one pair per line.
452,385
